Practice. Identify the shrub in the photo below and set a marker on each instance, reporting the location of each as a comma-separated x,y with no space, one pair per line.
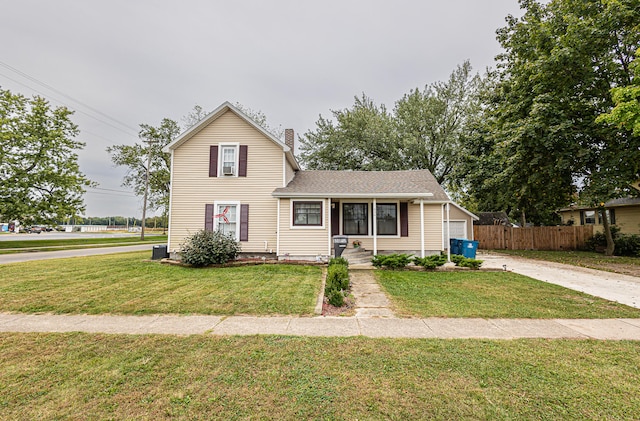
337,277
457,258
209,247
627,245
338,261
391,261
337,281
430,262
468,262
335,297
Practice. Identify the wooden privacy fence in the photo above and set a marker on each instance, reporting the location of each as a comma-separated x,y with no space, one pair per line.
496,237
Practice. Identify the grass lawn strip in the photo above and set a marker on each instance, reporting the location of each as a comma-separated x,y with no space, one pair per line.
128,283
21,246
60,376
491,295
587,259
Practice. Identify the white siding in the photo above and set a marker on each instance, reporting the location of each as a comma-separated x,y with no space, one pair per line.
192,187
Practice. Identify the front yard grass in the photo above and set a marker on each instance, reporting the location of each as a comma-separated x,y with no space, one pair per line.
127,283
491,295
76,375
587,259
22,245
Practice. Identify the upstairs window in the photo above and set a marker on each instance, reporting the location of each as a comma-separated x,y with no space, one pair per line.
228,160
588,217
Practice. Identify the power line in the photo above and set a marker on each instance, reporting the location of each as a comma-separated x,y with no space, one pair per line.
71,108
69,97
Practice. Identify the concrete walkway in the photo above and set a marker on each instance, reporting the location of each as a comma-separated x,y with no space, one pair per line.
369,298
624,289
45,255
448,328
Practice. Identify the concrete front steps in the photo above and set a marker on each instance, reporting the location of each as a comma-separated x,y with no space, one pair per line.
357,256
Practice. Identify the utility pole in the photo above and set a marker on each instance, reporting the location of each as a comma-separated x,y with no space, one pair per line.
146,189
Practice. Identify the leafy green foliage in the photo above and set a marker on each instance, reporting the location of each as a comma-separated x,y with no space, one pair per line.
337,281
134,157
625,244
422,132
466,262
554,79
391,261
338,261
430,262
209,247
40,179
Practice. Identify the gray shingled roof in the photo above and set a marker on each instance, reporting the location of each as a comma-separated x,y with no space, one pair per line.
342,184
624,201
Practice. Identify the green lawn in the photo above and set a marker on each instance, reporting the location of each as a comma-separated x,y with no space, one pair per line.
128,283
21,246
491,295
588,259
71,376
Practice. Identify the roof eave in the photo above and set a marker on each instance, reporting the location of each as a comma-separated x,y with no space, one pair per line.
353,195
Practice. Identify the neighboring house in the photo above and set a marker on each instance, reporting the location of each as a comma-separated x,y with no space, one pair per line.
493,218
623,213
229,174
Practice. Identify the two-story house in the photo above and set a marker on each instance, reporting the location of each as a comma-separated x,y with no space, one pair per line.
229,174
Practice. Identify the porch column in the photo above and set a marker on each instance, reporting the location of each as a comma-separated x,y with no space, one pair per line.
442,229
329,225
278,230
375,227
421,227
448,232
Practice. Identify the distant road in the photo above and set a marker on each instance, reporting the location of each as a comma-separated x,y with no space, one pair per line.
46,255
67,235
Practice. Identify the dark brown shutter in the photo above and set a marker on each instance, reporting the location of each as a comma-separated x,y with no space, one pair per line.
335,218
208,217
213,161
242,161
244,222
404,219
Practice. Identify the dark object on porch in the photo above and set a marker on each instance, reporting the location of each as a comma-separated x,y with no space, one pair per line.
339,244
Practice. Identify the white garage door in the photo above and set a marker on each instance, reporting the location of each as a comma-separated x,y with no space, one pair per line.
458,230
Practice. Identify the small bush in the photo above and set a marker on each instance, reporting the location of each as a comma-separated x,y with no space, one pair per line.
391,261
430,262
468,262
338,261
337,277
209,247
627,245
335,297
457,258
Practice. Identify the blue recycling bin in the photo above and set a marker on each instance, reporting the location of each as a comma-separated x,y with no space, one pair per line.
455,245
469,248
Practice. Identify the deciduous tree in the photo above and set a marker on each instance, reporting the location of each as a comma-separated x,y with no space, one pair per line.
40,179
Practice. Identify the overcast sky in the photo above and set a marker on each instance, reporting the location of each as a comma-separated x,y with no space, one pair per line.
137,61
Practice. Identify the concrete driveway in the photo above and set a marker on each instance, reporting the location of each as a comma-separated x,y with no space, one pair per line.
624,289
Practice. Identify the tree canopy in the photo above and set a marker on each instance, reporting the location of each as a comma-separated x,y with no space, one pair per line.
40,179
134,157
423,131
543,148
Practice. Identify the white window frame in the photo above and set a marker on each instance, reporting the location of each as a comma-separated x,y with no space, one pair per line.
221,148
370,221
307,227
216,206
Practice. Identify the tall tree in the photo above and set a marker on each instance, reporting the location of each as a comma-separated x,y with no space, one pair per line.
431,123
135,157
561,60
362,138
40,179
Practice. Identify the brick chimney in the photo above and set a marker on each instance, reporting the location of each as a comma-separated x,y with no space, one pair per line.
289,138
